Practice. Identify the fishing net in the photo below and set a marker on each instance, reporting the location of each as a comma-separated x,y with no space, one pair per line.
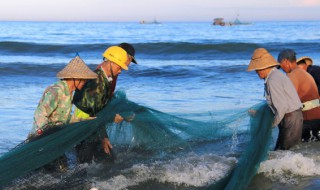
148,130
261,127
157,131
30,156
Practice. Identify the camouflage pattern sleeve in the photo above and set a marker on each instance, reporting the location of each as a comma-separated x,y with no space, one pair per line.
94,95
47,105
86,98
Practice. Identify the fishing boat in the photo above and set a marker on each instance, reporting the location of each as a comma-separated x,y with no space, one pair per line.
220,22
238,22
148,22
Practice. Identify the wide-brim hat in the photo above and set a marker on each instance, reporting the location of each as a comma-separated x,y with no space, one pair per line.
261,59
305,59
130,51
77,69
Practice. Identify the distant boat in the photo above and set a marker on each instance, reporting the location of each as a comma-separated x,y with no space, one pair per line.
238,22
221,22
152,22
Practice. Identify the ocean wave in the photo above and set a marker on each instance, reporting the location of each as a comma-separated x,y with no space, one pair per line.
166,71
164,50
190,171
194,171
29,69
287,166
12,47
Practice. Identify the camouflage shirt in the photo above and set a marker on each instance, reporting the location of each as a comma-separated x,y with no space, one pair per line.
54,107
94,95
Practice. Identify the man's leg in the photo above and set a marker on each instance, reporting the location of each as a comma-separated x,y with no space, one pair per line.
290,131
85,151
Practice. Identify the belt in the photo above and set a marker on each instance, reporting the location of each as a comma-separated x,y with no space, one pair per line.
310,104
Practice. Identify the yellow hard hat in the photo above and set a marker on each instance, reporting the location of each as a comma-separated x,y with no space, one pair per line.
117,55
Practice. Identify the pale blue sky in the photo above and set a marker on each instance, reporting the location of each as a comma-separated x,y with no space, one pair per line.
162,10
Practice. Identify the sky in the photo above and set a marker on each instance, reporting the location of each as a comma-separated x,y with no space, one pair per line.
162,10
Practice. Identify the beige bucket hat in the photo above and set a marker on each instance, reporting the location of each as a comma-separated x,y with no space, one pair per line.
261,59
305,59
77,69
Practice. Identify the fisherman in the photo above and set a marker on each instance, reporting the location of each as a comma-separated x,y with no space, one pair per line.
281,97
306,64
130,52
307,91
95,95
55,105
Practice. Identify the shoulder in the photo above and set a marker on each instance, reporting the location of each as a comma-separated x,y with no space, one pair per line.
277,76
54,89
278,79
297,74
302,74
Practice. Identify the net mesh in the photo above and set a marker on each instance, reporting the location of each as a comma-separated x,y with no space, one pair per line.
30,156
148,130
256,151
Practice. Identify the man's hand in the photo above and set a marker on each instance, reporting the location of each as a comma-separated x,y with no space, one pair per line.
106,145
274,124
252,112
118,119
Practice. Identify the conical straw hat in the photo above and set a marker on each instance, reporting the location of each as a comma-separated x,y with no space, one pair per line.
306,59
77,69
261,59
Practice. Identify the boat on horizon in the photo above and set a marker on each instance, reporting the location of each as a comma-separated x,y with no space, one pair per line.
148,22
220,22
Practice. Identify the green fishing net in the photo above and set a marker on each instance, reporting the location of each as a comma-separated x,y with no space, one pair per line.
260,132
30,156
147,129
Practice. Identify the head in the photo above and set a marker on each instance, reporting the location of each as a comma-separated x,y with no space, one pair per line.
130,51
115,58
111,68
304,62
263,73
287,60
76,84
262,62
76,73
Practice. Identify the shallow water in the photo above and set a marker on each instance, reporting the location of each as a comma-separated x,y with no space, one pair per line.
191,70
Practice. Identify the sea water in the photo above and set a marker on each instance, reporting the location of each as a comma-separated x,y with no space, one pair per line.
195,71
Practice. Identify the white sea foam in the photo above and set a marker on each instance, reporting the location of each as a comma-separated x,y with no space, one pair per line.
192,170
287,166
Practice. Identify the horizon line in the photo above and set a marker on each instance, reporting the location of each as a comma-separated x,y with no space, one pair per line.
165,21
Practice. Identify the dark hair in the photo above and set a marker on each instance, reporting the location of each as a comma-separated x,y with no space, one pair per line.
288,54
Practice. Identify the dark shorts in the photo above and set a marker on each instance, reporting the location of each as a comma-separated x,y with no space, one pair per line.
290,130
